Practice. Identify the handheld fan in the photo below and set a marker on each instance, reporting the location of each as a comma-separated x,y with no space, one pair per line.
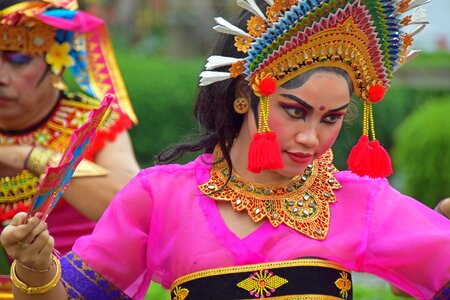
56,179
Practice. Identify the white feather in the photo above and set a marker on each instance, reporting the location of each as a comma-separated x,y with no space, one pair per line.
417,29
252,7
226,27
270,2
410,56
209,77
415,3
418,17
217,61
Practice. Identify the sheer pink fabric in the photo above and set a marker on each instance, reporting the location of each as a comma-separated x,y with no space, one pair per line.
66,225
160,227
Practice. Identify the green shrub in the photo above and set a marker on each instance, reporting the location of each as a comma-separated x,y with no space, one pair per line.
398,103
421,152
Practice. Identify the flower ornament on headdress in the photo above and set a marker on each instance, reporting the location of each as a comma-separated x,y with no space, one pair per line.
369,39
58,57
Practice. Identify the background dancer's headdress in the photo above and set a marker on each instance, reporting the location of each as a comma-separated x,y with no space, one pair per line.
68,38
369,39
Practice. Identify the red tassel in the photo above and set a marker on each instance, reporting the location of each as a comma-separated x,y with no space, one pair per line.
358,160
264,153
369,159
380,161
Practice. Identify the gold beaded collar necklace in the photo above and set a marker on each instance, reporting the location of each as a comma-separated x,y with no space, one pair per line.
302,203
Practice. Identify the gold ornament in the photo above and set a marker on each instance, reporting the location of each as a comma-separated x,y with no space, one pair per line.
241,105
302,203
24,288
35,40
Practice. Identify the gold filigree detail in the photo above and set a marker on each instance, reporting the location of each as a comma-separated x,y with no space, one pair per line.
180,293
304,262
256,80
262,283
21,187
344,284
237,68
348,52
272,14
284,5
302,203
242,43
35,40
256,26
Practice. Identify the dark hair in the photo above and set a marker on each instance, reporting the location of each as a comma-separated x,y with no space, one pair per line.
213,110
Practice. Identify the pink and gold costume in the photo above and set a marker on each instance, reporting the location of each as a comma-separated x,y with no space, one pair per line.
161,227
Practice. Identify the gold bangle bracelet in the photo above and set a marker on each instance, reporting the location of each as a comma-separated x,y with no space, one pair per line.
31,290
38,160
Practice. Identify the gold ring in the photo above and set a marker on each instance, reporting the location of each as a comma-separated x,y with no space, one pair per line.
23,244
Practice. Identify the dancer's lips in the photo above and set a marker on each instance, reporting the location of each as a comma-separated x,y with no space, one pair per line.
300,157
4,100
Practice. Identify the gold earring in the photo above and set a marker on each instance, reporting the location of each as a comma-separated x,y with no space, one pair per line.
241,105
58,83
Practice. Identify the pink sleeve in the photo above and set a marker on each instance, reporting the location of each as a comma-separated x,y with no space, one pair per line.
117,249
408,244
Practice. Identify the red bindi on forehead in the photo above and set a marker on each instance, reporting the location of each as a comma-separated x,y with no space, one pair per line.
322,108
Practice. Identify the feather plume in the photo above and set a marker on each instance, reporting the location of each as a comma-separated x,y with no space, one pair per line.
217,61
417,29
410,56
418,17
226,27
270,2
252,7
209,77
415,3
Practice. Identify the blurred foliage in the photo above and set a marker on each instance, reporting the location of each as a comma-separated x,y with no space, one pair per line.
421,152
397,104
430,60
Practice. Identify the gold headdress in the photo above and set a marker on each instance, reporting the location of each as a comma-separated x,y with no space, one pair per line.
366,38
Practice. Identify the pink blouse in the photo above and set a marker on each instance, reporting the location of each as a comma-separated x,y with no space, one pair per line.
160,227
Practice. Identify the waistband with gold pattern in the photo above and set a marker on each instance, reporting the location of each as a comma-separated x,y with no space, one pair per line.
307,278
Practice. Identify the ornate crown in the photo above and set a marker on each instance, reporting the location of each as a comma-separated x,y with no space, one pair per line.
369,39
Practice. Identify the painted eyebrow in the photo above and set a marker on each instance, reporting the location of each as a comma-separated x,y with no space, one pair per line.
339,108
309,107
298,100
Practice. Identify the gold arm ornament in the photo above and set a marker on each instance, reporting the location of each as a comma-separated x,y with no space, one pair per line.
29,290
40,158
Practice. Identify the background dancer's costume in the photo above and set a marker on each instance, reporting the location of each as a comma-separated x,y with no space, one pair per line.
67,38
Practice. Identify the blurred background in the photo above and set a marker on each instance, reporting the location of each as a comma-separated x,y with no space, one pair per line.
162,45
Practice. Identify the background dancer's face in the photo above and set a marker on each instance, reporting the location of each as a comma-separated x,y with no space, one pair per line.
26,91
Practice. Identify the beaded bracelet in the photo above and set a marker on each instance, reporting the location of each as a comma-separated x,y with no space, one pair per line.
31,290
37,270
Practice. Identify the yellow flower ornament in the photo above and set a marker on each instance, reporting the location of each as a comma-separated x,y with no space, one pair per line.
58,57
